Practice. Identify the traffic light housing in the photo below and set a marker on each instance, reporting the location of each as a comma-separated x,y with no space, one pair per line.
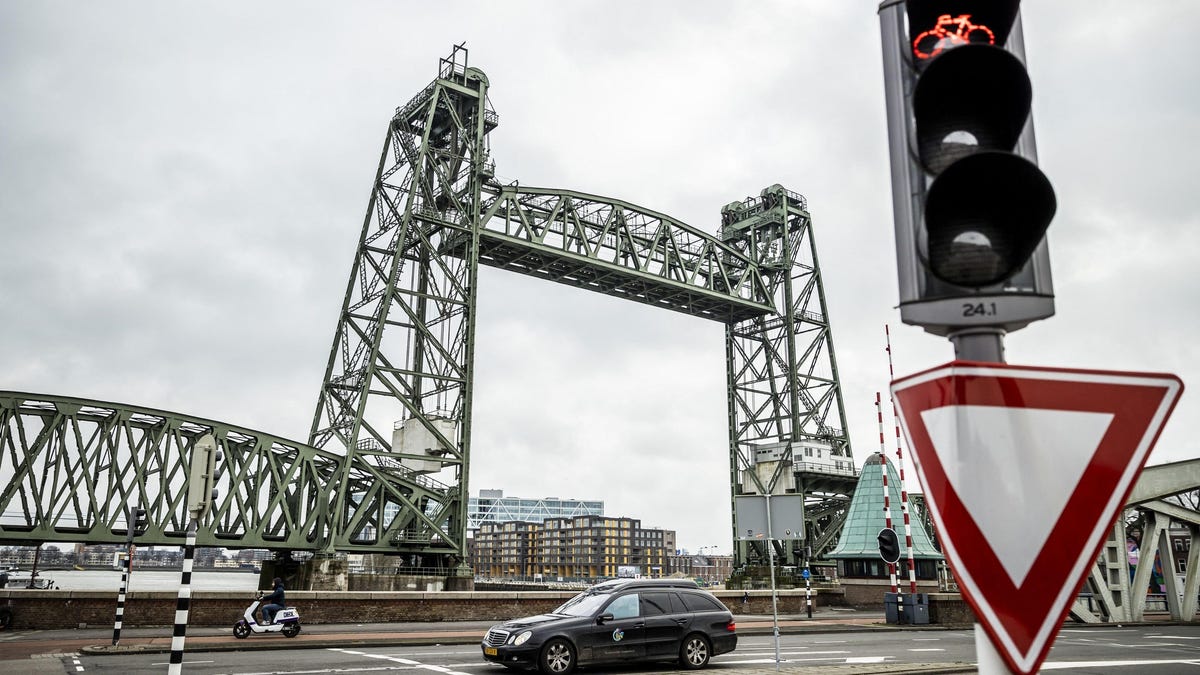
889,546
135,524
203,473
971,206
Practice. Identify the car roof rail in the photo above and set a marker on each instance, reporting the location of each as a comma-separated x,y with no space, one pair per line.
620,584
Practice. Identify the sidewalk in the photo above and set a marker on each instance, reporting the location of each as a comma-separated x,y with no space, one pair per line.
155,640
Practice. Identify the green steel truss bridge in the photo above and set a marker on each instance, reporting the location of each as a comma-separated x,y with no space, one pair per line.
386,463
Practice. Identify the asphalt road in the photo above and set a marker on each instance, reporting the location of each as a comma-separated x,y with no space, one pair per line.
1135,649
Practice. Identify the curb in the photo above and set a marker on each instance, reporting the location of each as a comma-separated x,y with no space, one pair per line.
318,641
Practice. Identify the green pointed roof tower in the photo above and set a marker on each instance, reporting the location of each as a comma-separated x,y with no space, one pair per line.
860,534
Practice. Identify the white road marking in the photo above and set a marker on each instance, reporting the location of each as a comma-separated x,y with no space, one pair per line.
783,653
381,668
1153,646
1068,665
931,649
186,663
866,659
744,662
397,659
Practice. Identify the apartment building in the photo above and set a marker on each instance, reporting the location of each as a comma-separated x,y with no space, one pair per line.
582,547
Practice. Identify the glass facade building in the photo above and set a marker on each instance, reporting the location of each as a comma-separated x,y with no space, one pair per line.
491,506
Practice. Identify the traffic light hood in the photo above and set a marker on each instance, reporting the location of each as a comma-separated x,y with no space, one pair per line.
972,99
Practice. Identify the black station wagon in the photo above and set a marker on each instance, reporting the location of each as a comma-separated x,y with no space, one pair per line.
618,621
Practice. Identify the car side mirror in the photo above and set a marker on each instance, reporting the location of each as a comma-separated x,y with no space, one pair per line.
604,618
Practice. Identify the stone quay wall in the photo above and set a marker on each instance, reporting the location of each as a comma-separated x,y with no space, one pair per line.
33,609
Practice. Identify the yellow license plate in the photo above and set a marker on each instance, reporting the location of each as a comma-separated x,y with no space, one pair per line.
490,651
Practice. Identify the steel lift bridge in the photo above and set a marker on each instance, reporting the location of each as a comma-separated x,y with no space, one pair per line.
387,459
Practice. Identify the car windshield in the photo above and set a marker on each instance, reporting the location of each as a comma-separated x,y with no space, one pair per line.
584,604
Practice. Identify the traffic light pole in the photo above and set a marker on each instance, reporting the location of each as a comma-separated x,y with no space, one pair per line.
971,207
127,573
979,344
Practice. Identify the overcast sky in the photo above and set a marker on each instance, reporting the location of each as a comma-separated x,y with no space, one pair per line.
182,187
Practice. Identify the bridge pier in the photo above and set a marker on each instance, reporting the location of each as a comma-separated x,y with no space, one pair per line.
319,573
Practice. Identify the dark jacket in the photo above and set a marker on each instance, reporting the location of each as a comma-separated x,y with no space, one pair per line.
276,596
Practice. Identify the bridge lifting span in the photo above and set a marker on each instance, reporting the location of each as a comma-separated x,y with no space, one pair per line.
388,455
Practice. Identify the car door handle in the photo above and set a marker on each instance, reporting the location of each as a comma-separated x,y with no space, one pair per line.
639,625
681,622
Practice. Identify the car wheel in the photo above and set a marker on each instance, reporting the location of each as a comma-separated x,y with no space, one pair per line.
291,630
694,652
241,630
557,658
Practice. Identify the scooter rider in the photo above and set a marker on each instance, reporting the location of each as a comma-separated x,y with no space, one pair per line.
273,602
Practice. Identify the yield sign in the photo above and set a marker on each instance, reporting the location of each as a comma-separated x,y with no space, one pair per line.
1024,470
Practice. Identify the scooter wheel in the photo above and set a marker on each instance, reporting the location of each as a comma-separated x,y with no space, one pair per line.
241,630
291,630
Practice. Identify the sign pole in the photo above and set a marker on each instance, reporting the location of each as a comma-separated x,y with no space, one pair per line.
984,345
771,558
988,660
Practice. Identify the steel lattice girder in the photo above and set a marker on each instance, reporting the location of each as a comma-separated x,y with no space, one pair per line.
74,466
616,248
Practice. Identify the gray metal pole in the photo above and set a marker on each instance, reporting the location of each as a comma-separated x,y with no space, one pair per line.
771,558
979,344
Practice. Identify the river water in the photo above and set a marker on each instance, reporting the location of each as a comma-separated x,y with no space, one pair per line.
147,580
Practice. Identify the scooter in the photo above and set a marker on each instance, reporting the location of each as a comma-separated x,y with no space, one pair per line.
287,621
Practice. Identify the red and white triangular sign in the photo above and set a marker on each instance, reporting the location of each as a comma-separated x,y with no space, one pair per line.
1024,470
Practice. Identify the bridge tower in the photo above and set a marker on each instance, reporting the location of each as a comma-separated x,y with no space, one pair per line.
786,416
399,379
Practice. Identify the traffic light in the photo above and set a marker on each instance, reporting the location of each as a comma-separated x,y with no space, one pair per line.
889,546
203,474
971,205
135,524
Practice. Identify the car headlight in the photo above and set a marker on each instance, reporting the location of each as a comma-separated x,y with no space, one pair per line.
522,638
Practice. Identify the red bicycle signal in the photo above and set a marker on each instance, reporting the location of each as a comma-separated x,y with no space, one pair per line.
950,32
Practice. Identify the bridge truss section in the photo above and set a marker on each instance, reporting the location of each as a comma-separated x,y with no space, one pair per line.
1162,513
73,467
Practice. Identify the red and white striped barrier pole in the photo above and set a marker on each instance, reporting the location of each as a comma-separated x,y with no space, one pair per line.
887,502
908,542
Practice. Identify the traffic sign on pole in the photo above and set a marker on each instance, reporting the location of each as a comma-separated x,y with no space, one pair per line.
1024,470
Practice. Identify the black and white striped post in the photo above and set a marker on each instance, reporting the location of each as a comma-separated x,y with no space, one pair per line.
134,519
202,476
184,602
125,574
807,587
